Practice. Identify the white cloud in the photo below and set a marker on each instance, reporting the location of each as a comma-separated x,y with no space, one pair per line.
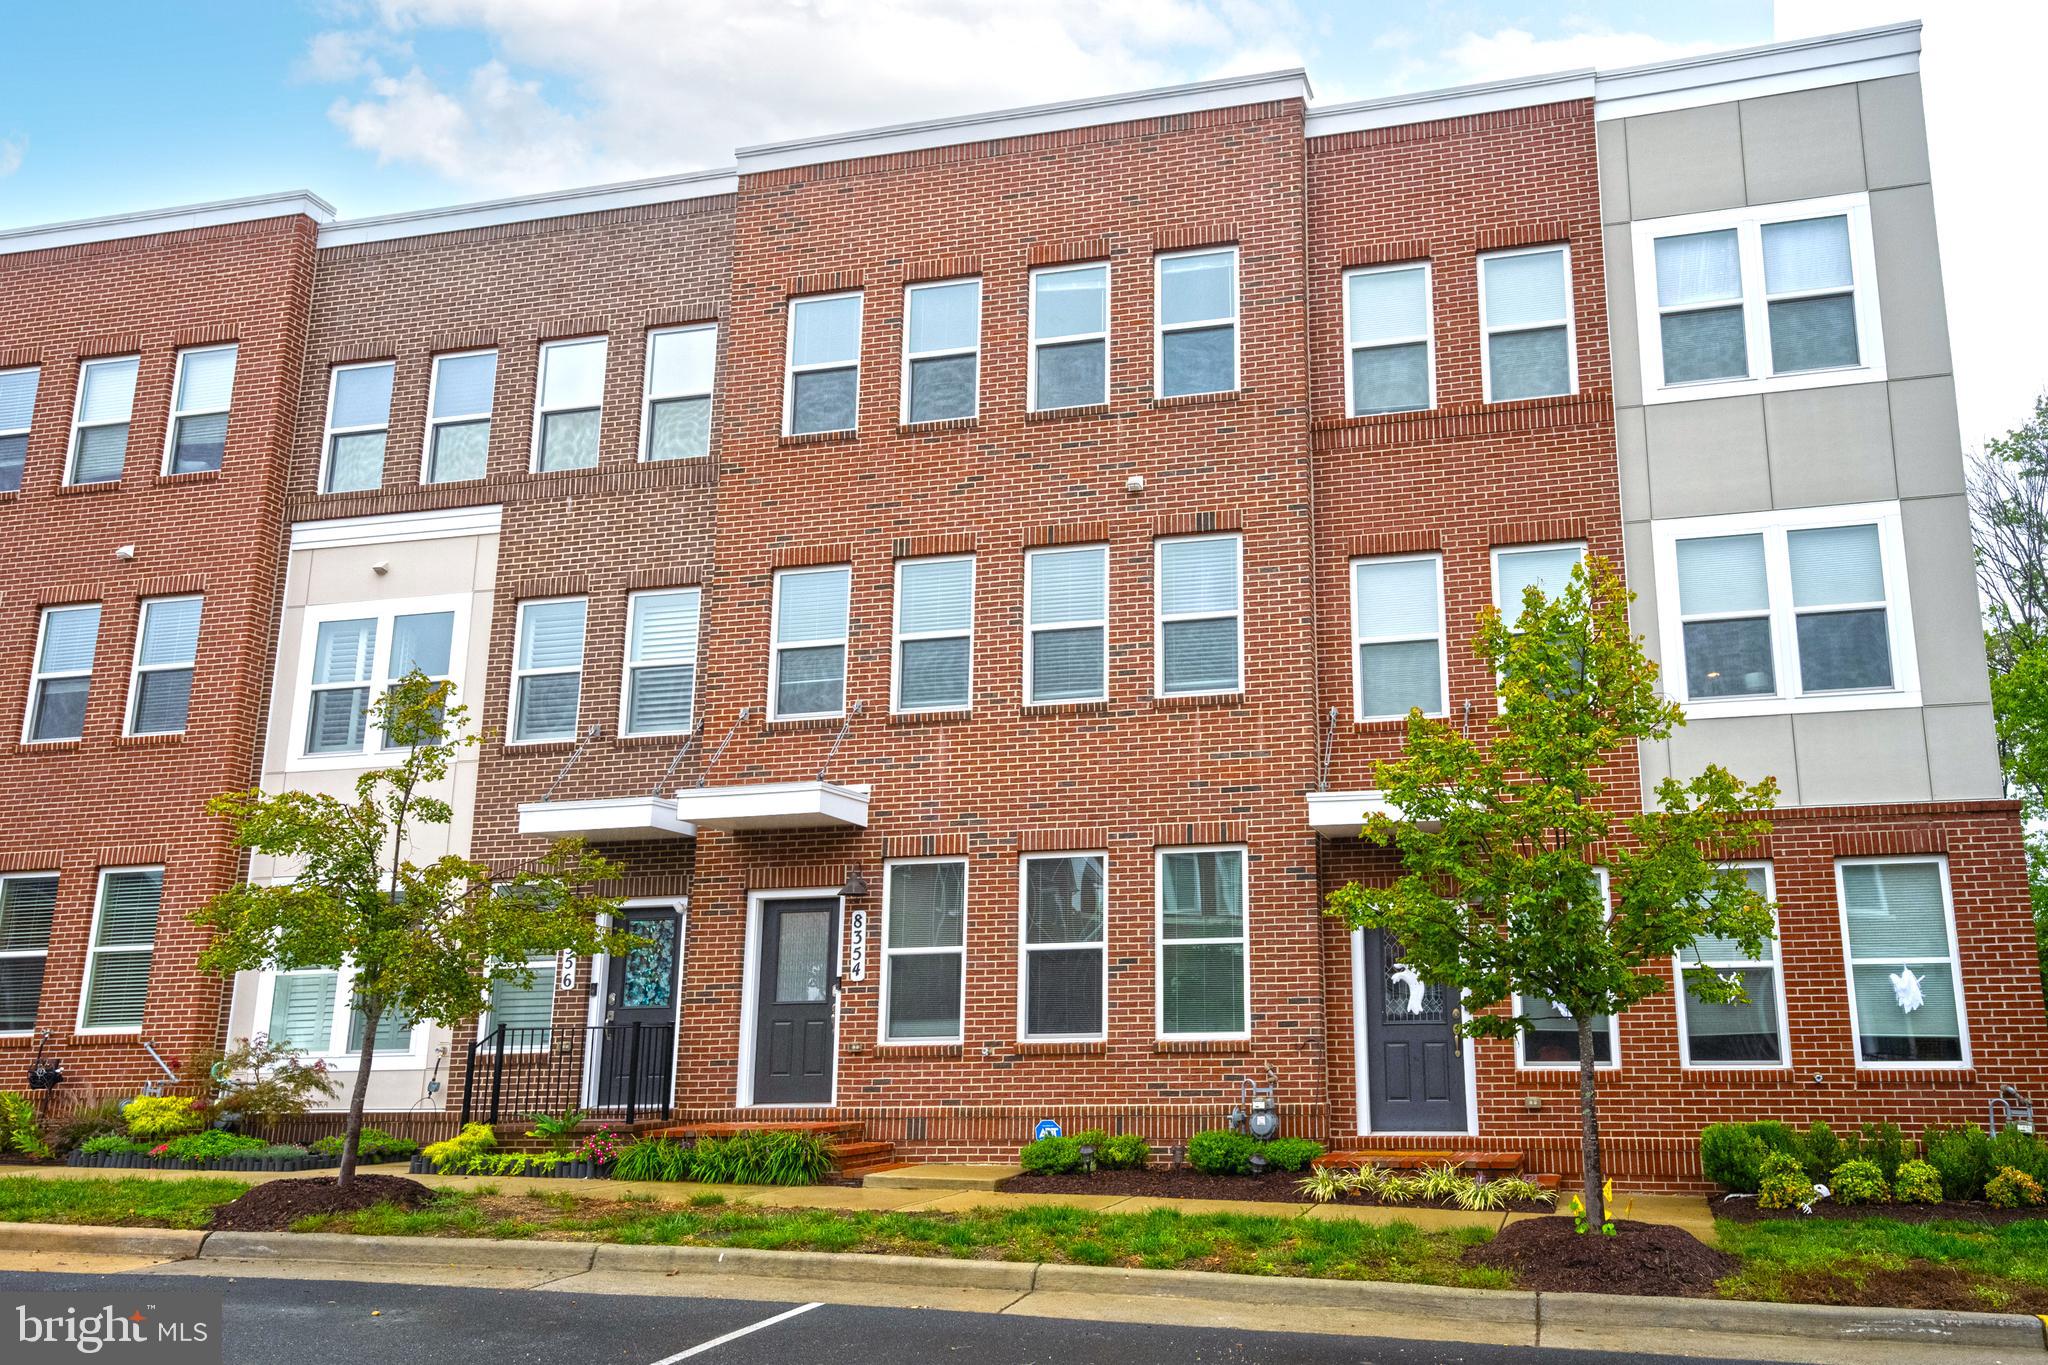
347,54
1511,52
12,150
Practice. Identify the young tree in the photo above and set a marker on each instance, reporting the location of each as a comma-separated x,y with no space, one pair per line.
1498,836
426,940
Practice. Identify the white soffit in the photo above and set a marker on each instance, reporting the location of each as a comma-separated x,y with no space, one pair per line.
1340,815
775,805
529,208
150,222
606,819
396,526
1747,73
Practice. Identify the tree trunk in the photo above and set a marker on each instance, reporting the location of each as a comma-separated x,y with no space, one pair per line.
373,1010
1589,1126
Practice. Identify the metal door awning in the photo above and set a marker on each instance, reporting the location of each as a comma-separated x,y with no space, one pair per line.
606,818
813,804
1340,815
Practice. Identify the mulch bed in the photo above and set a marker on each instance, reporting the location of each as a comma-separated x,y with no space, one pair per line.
1641,1258
1275,1187
1920,1285
1974,1211
276,1204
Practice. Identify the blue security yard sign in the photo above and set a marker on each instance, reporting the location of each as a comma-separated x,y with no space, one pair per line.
1046,1128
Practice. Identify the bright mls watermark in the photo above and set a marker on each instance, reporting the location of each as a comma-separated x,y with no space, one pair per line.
120,1326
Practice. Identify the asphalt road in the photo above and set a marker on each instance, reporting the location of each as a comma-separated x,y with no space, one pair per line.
300,1322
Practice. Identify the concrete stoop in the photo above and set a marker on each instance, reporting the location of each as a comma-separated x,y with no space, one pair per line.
940,1176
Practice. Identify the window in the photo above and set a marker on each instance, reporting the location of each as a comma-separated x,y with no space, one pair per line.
526,1013
1204,968
17,411
1398,637
1069,337
824,365
461,390
1781,611
199,410
1551,1036
1781,297
1197,330
924,955
66,641
358,419
99,427
314,1010
935,634
942,351
1201,616
166,648
1066,630
1066,962
422,642
354,656
547,670
1905,988
681,362
123,942
1390,361
1525,309
661,662
338,710
1547,568
26,906
1751,1033
571,406
807,667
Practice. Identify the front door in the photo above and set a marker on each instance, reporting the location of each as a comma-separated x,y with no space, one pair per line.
798,979
1415,1063
638,1042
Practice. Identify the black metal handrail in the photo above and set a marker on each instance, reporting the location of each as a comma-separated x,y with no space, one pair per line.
609,1070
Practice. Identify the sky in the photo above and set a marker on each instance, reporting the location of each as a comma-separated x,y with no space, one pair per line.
380,106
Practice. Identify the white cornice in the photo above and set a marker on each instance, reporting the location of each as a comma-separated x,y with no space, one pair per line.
528,208
392,527
1429,105
153,221
1746,73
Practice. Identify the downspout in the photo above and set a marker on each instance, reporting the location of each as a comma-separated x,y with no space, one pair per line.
1315,630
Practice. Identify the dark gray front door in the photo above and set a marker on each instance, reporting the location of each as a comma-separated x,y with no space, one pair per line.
640,1012
793,1040
1415,1064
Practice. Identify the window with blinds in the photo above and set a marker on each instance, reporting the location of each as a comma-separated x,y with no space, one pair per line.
358,421
166,650
676,423
1905,988
27,903
934,634
17,412
200,396
1750,1032
99,428
1388,339
1549,1036
1525,311
661,662
527,1013
942,351
570,411
67,639
1546,568
822,386
807,667
1066,625
1196,340
547,670
1200,607
924,955
338,707
1066,964
1204,963
123,946
1397,636
1069,337
462,388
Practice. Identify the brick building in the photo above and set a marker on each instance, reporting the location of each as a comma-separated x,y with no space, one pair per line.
966,573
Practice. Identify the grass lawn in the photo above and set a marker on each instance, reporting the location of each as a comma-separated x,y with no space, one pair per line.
1990,1268
124,1203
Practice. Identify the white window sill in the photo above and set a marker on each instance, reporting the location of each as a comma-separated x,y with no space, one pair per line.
1711,708
1775,383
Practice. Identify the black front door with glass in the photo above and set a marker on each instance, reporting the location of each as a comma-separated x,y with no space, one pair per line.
1415,1064
793,1037
640,1012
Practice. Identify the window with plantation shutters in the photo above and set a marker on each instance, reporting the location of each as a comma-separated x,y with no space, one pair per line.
924,953
1196,331
459,400
807,665
358,421
1066,964
1746,1033
1390,361
1069,337
423,643
547,670
942,351
355,653
123,946
302,1009
394,1031
338,714
1525,311
66,641
1204,965
1905,987
822,386
200,396
527,1012
934,633
166,649
99,429
661,662
569,416
1200,604
1066,625
676,423
27,903
17,412
1397,636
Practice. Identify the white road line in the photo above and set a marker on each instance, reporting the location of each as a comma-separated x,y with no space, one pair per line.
701,1347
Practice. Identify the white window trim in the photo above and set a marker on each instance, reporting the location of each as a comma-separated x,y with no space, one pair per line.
1031,631
776,644
1160,941
1441,636
1955,965
544,971
519,675
79,425
1775,527
1511,610
882,1018
630,664
94,951
1748,224
330,431
343,1059
900,635
790,369
178,382
23,954
1427,339
648,397
1522,1062
36,370
373,754
1035,343
1161,618
1161,328
36,677
1571,326
541,412
1025,948
137,668
434,424
1776,962
903,398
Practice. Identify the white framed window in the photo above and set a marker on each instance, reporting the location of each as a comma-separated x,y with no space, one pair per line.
547,669
358,421
934,634
924,950
160,680
17,412
349,652
99,421
1069,337
66,640
822,377
201,394
313,1009
568,413
1761,299
1398,658
1199,615
1195,335
1204,979
123,946
460,394
1750,1034
1899,946
526,1013
1767,612
1517,568
1066,625
1528,343
1551,1037
660,694
1064,968
675,417
942,351
807,665
1389,339
28,901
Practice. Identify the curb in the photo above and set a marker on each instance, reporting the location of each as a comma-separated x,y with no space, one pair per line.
171,1244
917,1271
341,1249
1878,1326
1509,1306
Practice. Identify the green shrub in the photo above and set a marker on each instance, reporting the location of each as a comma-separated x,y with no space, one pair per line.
281,1151
1732,1154
1098,1138
1963,1158
1823,1150
21,1131
372,1144
1860,1181
1218,1151
109,1144
1050,1156
2012,1189
1782,1182
2023,1152
1884,1146
95,1120
762,1157
152,1118
653,1159
559,1130
1123,1152
1290,1153
456,1155
1917,1183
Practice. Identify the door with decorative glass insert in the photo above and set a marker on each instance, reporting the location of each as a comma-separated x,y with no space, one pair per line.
637,1045
1415,1060
795,986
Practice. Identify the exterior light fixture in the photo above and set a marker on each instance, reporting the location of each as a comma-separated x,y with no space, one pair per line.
1259,1164
1088,1157
856,885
